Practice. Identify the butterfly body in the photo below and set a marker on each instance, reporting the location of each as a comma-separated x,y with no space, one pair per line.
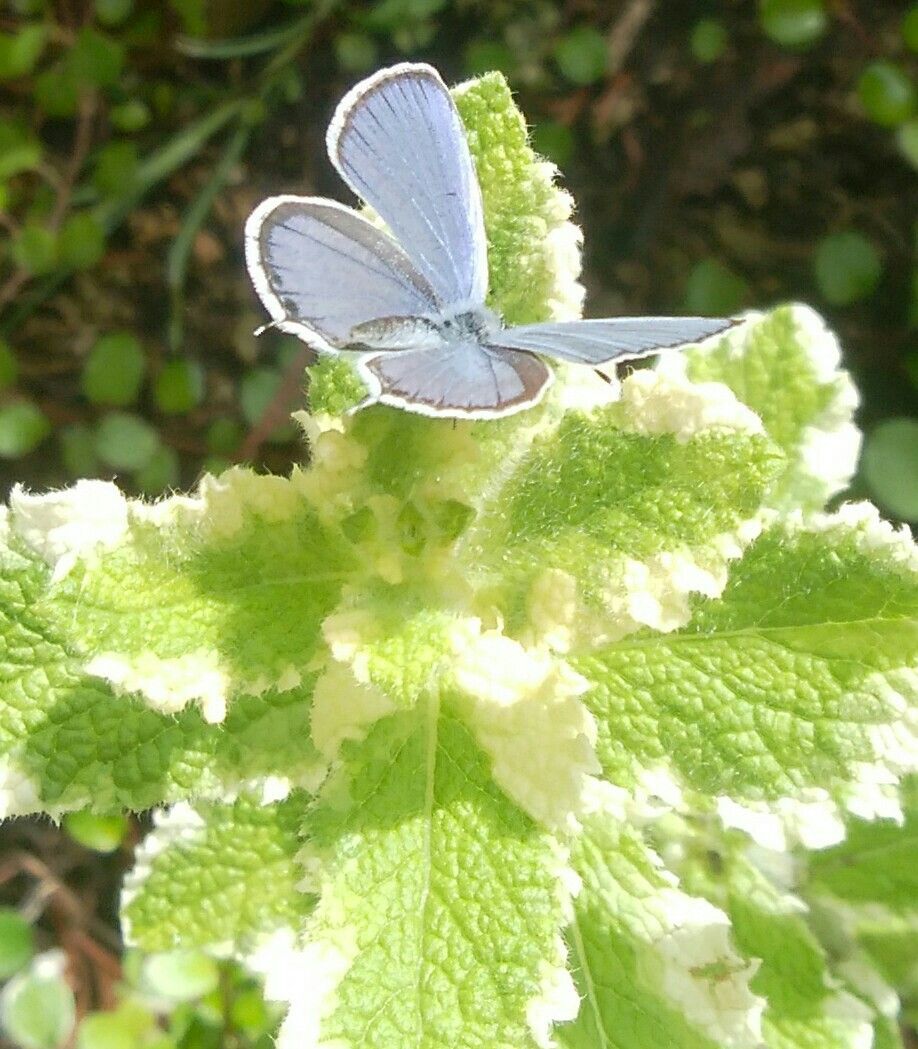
410,302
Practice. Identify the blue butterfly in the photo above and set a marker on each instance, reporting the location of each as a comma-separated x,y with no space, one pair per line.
412,305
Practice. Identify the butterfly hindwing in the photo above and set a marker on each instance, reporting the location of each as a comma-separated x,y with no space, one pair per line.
398,141
462,380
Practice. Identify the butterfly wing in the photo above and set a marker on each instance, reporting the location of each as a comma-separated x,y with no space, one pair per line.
597,342
461,380
321,269
398,141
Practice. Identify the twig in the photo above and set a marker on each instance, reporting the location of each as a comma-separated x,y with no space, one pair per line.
623,35
82,140
277,408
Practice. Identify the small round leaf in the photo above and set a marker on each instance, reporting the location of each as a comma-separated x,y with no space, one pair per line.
114,370
890,466
99,833
709,39
125,441
793,23
37,1009
886,93
714,290
82,241
582,55
847,267
179,386
23,427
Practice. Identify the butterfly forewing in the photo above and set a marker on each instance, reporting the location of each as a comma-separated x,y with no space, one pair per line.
322,269
398,141
597,342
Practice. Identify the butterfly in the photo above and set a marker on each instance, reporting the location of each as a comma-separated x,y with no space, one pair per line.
410,303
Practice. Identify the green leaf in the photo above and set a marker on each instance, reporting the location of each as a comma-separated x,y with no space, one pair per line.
96,60
82,241
654,965
806,1003
37,1009
17,942
890,466
101,833
533,248
224,436
907,140
130,116
116,167
34,248
582,55
709,39
910,28
651,481
23,426
439,914
356,52
179,386
20,150
554,140
125,441
199,554
127,1027
113,12
795,681
714,290
57,91
847,267
887,93
161,471
66,741
875,866
793,23
20,51
114,370
78,450
785,366
249,851
181,976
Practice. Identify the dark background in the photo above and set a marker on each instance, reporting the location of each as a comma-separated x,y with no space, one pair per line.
722,155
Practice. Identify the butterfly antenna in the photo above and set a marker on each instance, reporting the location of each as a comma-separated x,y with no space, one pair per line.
266,327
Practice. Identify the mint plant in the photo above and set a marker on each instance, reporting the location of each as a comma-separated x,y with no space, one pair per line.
503,734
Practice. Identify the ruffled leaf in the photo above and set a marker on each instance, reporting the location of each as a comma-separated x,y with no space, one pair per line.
193,599
440,904
798,684
216,876
655,966
785,365
67,741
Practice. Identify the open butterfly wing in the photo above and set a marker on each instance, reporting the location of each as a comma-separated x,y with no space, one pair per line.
460,380
321,269
597,342
398,141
